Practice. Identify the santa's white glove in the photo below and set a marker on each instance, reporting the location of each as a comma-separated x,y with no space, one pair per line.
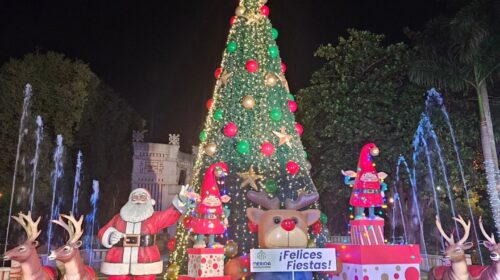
182,200
115,237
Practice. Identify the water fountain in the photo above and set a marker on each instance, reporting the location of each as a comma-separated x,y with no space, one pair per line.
22,131
34,161
90,221
427,142
76,185
56,175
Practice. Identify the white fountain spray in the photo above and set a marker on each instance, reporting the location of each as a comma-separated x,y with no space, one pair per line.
56,174
90,221
34,161
76,185
26,104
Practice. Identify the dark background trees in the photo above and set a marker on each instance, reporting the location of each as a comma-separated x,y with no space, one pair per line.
75,103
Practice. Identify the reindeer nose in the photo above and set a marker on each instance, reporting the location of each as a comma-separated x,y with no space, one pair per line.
288,224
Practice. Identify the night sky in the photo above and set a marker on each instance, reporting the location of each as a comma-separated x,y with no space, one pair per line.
161,55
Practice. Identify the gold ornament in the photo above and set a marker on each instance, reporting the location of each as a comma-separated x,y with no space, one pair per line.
284,137
311,243
284,82
248,102
224,77
211,149
249,178
271,80
240,10
172,271
231,249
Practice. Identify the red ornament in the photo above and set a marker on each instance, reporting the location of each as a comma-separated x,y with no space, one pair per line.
292,167
187,222
292,105
231,130
217,73
232,20
283,67
171,244
252,66
299,128
288,224
267,149
264,10
210,102
253,227
317,227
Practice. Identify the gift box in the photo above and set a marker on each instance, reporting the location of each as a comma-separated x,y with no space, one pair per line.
185,277
367,232
365,262
206,262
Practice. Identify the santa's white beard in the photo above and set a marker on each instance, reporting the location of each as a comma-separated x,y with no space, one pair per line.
135,213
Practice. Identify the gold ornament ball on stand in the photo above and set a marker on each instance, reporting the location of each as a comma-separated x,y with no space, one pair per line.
248,102
271,80
231,249
211,149
240,10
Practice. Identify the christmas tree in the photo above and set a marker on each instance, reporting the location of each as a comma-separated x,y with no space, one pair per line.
251,127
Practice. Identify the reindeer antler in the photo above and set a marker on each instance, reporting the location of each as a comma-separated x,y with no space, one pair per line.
73,227
31,227
302,201
263,200
466,227
449,239
491,238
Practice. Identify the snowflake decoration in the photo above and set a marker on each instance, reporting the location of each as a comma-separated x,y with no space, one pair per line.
138,135
174,139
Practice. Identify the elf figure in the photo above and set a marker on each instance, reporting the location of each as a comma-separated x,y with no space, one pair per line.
210,217
368,188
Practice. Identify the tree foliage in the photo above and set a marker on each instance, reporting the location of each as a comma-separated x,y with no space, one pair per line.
361,94
73,102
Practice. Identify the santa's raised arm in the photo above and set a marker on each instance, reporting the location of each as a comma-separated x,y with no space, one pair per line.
131,235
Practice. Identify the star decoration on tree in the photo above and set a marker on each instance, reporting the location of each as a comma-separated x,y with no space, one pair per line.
284,82
249,178
284,137
225,77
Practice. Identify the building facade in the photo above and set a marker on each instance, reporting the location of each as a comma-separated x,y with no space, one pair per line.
162,169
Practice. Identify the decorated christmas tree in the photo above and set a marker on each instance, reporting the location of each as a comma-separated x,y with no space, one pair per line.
251,127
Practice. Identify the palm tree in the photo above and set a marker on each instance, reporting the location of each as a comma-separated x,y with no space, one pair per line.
463,53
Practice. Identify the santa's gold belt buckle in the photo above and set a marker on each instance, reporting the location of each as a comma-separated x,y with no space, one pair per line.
132,240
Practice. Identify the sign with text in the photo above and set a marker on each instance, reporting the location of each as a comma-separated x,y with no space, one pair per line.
289,259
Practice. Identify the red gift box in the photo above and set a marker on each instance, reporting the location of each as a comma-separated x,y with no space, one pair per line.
378,261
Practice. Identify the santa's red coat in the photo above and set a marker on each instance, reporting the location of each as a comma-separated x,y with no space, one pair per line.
135,260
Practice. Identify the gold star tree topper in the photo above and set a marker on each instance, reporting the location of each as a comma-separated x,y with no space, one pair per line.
249,178
284,137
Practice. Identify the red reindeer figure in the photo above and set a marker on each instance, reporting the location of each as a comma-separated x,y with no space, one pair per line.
491,272
26,254
455,252
69,254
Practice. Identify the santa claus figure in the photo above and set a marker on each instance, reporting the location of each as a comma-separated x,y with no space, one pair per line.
210,217
131,236
367,192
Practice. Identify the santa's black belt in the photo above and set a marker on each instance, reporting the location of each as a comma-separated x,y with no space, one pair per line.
136,240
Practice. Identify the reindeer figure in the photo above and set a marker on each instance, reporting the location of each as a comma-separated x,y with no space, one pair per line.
26,254
455,252
491,272
69,254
